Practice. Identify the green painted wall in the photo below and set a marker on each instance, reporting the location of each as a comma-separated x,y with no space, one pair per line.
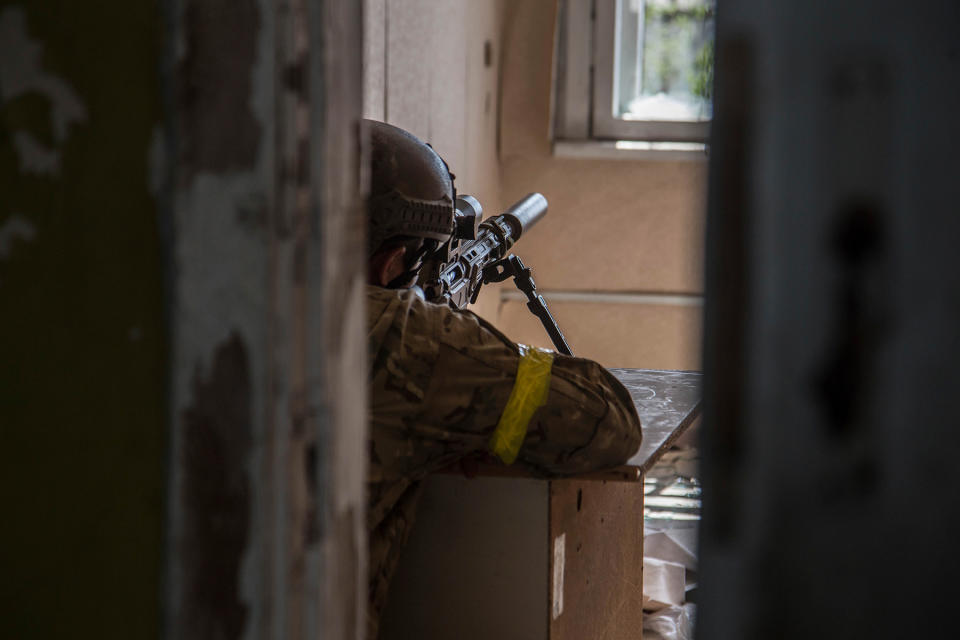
82,342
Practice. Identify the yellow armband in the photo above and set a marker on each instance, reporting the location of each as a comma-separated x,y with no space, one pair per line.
529,394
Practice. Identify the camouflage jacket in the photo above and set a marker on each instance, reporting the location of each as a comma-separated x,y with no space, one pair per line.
440,379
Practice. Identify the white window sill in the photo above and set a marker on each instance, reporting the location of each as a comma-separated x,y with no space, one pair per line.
630,150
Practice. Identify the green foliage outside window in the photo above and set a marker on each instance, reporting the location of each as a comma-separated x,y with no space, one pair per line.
701,82
678,50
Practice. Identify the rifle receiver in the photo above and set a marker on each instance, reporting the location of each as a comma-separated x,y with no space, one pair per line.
458,276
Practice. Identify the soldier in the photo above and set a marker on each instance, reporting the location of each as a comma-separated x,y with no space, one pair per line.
445,384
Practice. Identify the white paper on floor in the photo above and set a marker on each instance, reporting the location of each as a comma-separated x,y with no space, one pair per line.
664,584
671,623
673,546
669,563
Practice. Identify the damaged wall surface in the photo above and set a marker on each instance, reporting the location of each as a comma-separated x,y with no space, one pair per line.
268,298
183,387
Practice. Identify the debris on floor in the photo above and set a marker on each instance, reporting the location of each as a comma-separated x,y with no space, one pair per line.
671,623
671,517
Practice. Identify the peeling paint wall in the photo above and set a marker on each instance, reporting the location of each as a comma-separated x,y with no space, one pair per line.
216,493
82,342
266,179
338,381
218,128
182,396
222,190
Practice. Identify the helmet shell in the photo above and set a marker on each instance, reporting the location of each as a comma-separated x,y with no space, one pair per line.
411,188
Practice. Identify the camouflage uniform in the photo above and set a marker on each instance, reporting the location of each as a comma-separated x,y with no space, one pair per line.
440,379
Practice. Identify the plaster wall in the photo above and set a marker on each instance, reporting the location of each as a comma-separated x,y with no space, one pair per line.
431,67
621,226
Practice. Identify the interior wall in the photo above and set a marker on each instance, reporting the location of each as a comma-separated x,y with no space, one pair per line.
614,226
430,67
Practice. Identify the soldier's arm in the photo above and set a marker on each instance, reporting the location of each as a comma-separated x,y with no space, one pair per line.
445,376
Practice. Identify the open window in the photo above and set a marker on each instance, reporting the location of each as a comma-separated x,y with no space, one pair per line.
635,71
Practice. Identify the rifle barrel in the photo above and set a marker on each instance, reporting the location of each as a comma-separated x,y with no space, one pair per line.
525,213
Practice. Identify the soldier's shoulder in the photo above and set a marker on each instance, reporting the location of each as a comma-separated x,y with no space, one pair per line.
381,297
380,293
401,306
378,300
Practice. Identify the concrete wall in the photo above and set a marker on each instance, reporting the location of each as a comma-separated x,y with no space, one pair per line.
267,424
182,382
614,226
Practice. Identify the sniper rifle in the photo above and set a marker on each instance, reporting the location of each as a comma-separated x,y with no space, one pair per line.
476,254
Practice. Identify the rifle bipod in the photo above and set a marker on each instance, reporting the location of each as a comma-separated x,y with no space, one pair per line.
512,266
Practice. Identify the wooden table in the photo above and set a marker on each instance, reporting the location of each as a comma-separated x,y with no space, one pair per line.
505,555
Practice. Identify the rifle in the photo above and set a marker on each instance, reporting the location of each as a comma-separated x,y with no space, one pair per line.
477,254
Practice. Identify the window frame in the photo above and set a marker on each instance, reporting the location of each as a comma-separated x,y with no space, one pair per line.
586,68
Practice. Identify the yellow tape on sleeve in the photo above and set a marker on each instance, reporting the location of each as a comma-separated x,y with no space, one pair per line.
529,394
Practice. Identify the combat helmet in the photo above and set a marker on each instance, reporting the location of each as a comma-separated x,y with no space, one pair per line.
411,188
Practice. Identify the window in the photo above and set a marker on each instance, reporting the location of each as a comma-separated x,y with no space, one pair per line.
638,70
